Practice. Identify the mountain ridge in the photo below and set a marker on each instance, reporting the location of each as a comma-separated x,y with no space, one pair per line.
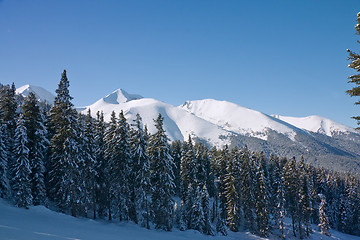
322,141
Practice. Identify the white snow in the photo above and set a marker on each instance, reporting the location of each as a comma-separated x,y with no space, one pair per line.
317,124
40,223
178,123
40,93
237,119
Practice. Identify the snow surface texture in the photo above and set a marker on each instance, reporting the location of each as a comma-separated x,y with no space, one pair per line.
40,223
40,93
317,124
238,119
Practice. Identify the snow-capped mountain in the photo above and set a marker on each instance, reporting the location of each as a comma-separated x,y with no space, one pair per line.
238,119
321,141
317,124
178,123
40,93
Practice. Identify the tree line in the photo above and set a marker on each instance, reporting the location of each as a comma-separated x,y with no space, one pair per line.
83,166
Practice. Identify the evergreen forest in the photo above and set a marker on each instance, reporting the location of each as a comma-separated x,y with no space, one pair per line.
118,171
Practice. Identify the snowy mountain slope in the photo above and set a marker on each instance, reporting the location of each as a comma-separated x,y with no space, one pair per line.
40,93
238,119
40,223
178,123
317,124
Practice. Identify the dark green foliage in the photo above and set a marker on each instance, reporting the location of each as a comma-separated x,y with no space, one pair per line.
65,182
37,145
162,177
20,183
355,64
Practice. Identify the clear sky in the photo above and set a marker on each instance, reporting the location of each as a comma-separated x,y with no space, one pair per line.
279,57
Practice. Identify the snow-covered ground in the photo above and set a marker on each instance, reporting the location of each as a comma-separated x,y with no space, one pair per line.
40,223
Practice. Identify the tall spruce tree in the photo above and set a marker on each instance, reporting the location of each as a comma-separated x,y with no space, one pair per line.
89,172
324,225
304,207
65,182
102,168
207,227
232,197
162,177
247,178
355,64
291,190
37,144
4,182
141,170
21,168
262,201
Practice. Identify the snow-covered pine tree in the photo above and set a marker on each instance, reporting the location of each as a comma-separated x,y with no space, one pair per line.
176,147
117,153
37,145
4,182
102,170
222,161
162,177
291,190
20,183
8,115
109,151
247,177
188,166
232,197
262,200
220,224
89,169
195,211
354,64
324,225
207,229
65,159
141,169
279,198
304,207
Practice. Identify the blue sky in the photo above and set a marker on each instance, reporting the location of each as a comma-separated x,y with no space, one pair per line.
278,57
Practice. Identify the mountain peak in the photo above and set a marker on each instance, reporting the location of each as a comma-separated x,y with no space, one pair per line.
40,93
120,96
317,124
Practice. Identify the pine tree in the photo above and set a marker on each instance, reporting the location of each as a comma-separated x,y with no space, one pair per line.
304,208
65,158
141,169
324,225
291,191
176,147
248,195
21,168
110,157
195,212
355,64
89,169
102,169
162,177
4,182
279,198
232,197
8,106
37,144
262,201
188,166
207,227
118,155
222,161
